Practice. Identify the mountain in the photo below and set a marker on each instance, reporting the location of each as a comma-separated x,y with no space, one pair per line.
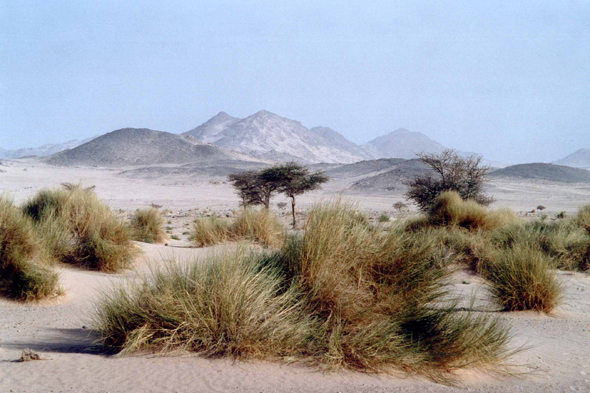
41,151
269,136
402,143
209,131
543,171
141,146
579,159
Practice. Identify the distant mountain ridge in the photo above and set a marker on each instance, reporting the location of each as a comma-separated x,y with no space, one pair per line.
578,159
270,136
42,151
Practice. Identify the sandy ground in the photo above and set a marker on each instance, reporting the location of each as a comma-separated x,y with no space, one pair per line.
557,358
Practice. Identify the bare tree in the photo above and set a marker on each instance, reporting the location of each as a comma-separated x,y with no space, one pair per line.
449,172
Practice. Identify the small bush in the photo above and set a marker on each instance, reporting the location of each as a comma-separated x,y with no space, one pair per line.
449,209
521,278
24,271
80,229
224,306
147,226
582,218
209,231
259,226
383,218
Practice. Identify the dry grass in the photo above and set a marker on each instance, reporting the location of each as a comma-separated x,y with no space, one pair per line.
78,228
255,225
521,278
147,226
344,295
24,271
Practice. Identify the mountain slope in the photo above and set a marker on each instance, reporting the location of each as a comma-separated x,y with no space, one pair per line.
140,146
542,171
209,131
578,159
402,143
269,136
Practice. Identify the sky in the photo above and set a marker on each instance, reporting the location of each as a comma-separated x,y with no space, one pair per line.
509,80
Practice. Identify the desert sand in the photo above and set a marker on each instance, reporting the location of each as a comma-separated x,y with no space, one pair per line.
555,358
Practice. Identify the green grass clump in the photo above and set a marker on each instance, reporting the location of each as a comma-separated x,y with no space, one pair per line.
25,273
147,226
582,218
255,225
521,278
78,228
383,218
345,294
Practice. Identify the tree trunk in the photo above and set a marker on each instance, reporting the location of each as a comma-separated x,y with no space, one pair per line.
267,201
293,210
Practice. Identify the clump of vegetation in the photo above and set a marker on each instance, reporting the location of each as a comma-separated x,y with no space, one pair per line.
255,225
345,294
25,273
449,209
449,172
383,218
521,278
582,218
78,228
147,226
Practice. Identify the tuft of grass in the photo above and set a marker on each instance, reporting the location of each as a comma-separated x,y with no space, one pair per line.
259,226
78,228
255,225
209,231
25,273
174,237
344,294
450,210
147,226
582,218
383,218
521,278
225,306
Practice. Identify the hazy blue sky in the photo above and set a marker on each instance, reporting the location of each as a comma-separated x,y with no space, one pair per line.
509,79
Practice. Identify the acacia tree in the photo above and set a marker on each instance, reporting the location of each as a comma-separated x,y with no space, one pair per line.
449,172
295,180
247,188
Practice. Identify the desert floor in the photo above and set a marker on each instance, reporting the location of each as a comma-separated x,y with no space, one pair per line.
556,358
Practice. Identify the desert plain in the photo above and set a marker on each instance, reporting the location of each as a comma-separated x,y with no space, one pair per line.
554,353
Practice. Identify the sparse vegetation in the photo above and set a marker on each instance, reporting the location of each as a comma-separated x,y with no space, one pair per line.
255,225
25,273
449,172
78,228
383,218
147,226
346,294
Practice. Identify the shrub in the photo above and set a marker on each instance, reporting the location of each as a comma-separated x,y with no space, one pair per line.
521,278
344,294
448,209
255,225
24,271
383,218
147,226
567,244
582,218
80,229
209,231
222,306
448,171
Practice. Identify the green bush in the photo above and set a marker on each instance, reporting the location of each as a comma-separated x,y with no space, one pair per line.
25,274
78,228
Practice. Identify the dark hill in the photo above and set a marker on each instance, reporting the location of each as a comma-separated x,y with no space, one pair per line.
139,146
542,171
